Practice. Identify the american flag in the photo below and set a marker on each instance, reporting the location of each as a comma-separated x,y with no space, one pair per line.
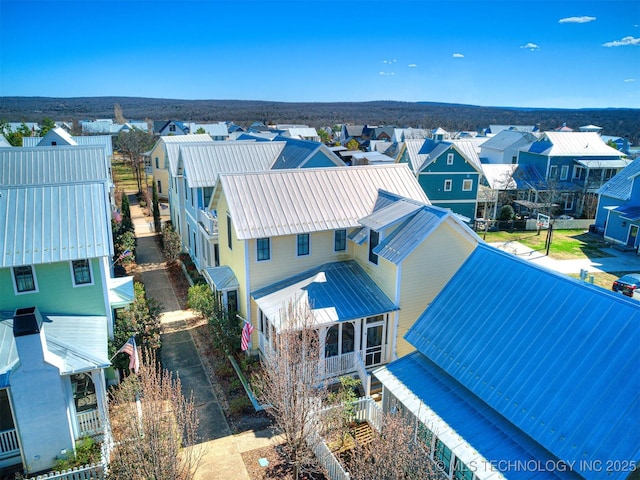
130,349
246,335
125,254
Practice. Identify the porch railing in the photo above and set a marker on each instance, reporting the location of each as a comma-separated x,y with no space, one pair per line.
339,364
365,378
208,221
9,443
89,423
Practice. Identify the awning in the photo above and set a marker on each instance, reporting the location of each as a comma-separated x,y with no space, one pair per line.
631,213
334,292
221,278
120,291
604,163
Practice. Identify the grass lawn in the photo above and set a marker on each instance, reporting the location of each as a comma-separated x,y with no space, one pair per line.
602,279
565,244
123,176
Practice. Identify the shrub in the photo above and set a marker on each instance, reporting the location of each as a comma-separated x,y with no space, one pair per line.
87,453
201,299
224,370
506,213
239,405
171,243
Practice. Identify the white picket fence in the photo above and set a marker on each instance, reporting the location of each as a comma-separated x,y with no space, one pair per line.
88,472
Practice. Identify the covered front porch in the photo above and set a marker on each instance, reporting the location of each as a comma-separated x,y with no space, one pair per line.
353,318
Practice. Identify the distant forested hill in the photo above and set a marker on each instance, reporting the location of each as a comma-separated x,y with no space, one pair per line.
452,117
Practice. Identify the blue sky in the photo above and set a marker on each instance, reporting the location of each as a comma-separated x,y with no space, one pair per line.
544,53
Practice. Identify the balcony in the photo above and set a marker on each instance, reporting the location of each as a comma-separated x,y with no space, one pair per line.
208,221
89,423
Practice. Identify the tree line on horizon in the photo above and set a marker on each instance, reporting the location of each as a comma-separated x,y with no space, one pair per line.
451,117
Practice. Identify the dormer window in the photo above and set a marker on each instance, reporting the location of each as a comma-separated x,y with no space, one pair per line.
374,240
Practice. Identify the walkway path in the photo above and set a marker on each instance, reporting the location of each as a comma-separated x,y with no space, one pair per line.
222,451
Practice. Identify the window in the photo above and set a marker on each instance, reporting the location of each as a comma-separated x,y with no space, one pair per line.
578,172
553,172
374,239
157,162
303,244
609,173
53,144
229,242
447,185
461,471
467,185
159,186
564,172
567,199
340,241
442,456
514,159
81,272
232,301
172,128
25,279
263,249
449,158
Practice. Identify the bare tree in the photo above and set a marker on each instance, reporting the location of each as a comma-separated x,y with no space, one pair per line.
392,454
154,427
291,387
117,113
132,145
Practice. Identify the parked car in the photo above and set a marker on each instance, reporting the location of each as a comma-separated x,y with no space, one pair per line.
628,285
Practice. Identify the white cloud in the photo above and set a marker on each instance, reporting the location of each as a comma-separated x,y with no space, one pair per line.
621,43
387,74
389,61
583,19
412,65
628,80
530,46
458,55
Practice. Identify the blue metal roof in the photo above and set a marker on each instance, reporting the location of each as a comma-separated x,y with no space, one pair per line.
621,184
557,357
631,212
294,153
488,433
337,291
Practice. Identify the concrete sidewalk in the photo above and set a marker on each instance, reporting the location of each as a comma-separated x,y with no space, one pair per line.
619,261
221,450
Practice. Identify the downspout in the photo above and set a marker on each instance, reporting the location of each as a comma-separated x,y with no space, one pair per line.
247,287
394,346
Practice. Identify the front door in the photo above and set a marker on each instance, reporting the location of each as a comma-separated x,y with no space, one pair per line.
374,341
633,233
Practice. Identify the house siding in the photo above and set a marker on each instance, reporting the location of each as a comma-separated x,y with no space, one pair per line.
424,273
162,173
285,262
56,292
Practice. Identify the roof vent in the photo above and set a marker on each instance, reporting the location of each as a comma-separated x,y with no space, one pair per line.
26,321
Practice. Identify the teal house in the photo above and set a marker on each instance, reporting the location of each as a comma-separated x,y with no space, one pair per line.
57,301
447,171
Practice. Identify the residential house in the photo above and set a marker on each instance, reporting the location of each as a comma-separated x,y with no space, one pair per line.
33,127
170,127
574,165
361,245
201,167
448,172
618,212
504,147
619,143
58,300
440,135
217,131
496,129
519,383
158,159
109,127
302,132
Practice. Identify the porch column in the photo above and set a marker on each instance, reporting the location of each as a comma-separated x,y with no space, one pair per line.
100,384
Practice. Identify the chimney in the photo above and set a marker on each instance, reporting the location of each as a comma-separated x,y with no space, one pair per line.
26,321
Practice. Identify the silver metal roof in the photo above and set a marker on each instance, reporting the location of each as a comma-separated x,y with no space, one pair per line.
416,159
53,223
286,202
390,215
221,278
508,138
103,140
47,165
578,144
203,163
500,176
608,163
79,342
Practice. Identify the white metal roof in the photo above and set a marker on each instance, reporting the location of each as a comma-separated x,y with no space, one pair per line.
103,140
416,159
500,176
47,165
203,163
285,202
53,223
508,138
193,138
581,144
469,149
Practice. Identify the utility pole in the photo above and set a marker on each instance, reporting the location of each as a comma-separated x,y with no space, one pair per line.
549,238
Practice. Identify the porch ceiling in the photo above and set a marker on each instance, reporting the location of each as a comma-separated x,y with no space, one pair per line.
335,292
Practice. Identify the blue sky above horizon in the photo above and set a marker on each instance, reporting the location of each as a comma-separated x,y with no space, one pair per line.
542,54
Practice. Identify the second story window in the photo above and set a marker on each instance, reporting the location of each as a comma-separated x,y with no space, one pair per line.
229,239
25,279
374,239
467,185
447,185
564,172
303,244
553,172
340,240
263,249
157,162
81,272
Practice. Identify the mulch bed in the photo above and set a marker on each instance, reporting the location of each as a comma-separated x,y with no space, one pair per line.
277,469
